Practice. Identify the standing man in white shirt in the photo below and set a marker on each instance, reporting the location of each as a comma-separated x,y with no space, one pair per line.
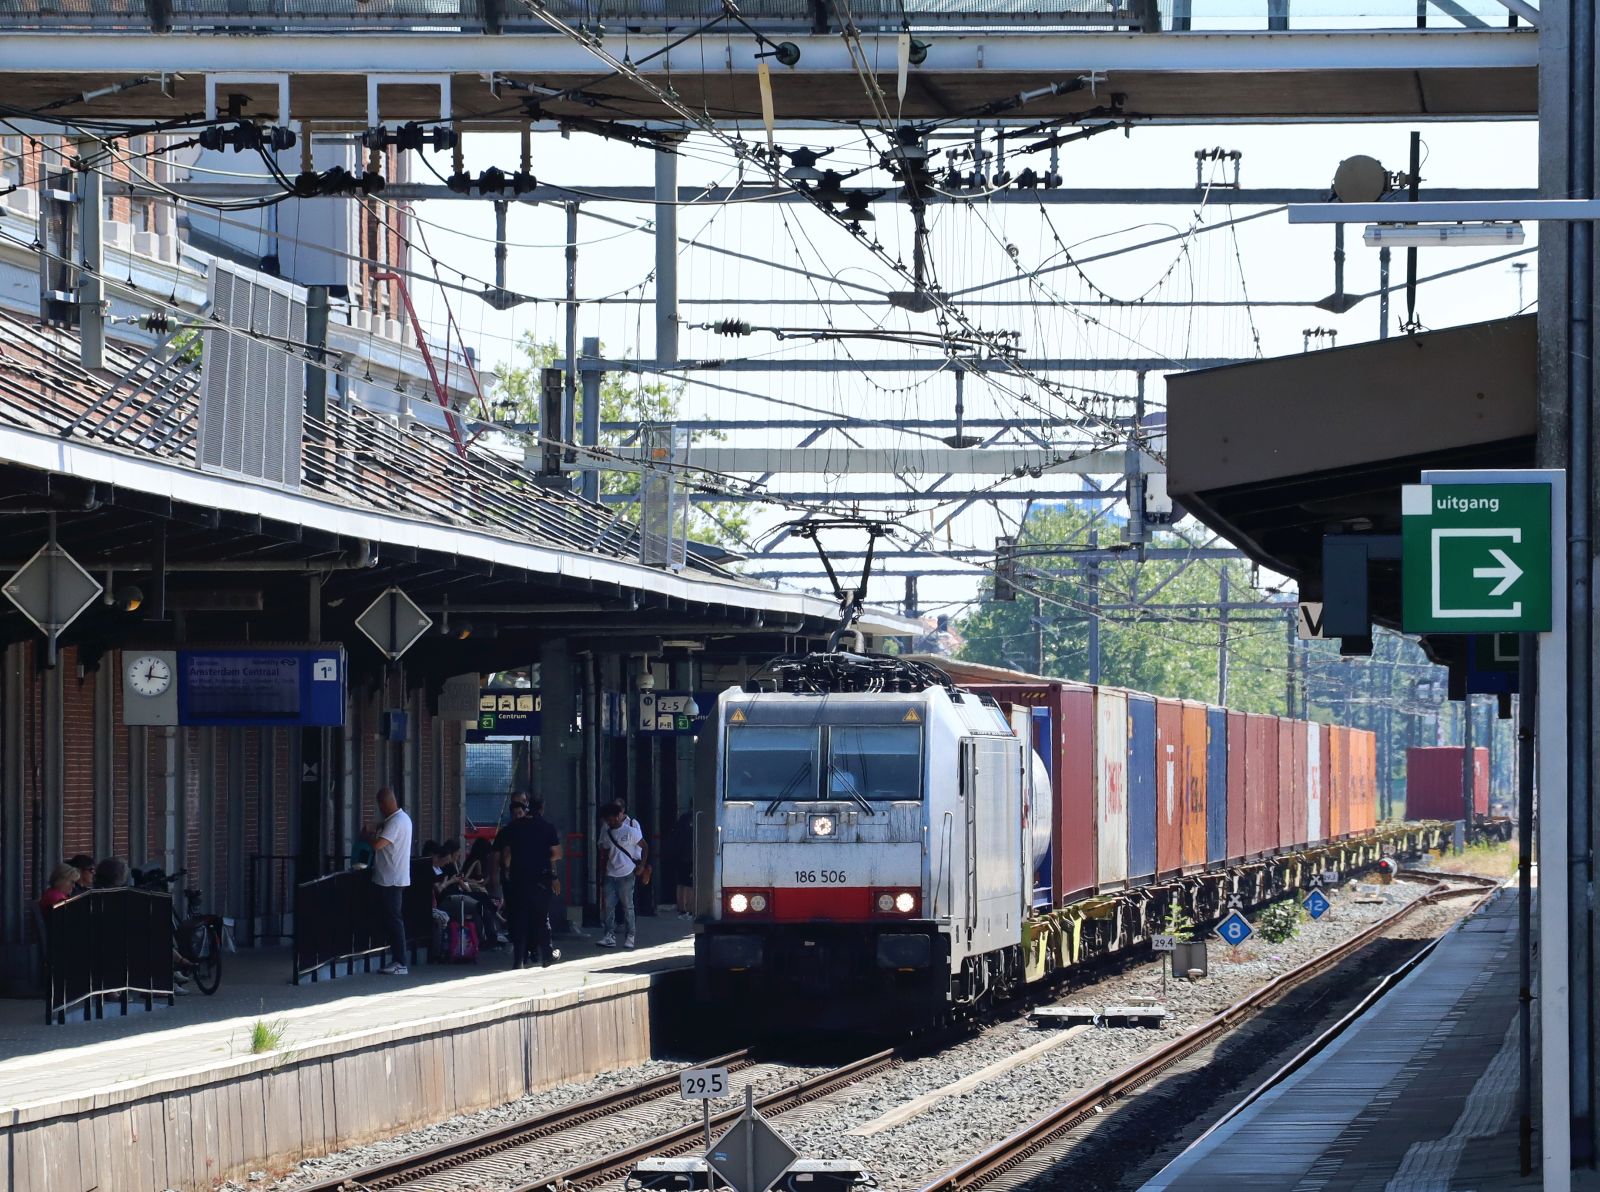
391,874
622,846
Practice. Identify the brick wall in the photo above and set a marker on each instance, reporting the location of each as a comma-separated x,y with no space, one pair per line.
78,741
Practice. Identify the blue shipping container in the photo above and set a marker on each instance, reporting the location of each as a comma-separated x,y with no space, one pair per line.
1044,746
1141,789
1216,784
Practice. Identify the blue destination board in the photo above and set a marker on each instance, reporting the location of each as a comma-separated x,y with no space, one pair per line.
261,688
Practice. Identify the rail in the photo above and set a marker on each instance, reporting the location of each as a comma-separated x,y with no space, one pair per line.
596,1172
439,1159
1009,1152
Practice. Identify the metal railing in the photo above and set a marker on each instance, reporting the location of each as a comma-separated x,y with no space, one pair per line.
354,456
107,945
336,921
270,897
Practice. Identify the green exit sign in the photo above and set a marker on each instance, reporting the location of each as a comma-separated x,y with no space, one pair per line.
1476,558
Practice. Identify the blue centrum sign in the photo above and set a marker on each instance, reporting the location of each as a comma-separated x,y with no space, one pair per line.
261,688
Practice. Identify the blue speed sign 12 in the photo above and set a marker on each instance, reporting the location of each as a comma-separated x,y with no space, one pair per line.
1235,929
1316,904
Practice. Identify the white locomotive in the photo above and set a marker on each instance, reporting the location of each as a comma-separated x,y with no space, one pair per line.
867,840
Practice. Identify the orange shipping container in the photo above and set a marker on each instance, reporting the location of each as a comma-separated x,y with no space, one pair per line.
1193,811
1339,783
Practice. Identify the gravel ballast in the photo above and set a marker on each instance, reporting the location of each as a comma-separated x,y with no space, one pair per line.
904,1155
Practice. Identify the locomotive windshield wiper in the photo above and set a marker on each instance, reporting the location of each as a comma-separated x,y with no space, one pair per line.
788,788
850,789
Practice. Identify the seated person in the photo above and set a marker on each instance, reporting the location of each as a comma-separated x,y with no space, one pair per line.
84,864
62,878
461,895
111,873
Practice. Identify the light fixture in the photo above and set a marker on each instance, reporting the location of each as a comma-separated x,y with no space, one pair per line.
129,598
823,825
1441,235
918,53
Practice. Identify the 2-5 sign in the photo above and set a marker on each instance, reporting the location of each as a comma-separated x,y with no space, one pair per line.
1476,558
703,1084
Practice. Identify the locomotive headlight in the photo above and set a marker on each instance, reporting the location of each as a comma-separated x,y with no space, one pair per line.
823,825
904,902
739,903
758,902
886,902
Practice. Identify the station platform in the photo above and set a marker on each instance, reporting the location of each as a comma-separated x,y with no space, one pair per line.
1419,1093
174,1098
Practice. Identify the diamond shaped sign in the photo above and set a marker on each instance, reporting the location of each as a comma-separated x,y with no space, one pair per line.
394,622
51,589
1316,904
751,1155
1235,929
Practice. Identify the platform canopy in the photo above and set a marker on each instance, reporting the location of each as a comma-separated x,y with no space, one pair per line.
109,458
1277,453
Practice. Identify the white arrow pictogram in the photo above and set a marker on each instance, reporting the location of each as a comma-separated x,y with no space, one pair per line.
1507,573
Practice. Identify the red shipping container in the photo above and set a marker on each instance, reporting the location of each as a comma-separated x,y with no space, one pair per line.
1169,783
1238,760
1366,811
1285,839
1192,774
1071,760
1261,786
1296,831
1434,782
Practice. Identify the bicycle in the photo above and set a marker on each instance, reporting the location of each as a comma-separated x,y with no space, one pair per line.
196,937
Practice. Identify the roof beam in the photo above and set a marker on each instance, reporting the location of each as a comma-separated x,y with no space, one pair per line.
890,461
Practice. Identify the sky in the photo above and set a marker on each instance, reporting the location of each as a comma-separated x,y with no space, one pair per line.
1262,259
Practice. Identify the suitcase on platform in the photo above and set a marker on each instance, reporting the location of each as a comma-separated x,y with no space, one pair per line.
461,942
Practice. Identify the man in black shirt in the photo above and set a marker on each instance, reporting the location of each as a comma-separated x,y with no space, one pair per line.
529,849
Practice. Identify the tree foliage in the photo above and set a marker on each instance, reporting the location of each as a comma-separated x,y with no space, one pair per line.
621,400
1172,652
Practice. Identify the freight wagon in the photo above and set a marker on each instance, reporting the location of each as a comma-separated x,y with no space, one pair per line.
876,843
1434,782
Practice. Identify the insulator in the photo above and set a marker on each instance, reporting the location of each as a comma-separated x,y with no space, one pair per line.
460,183
492,181
523,183
734,327
158,323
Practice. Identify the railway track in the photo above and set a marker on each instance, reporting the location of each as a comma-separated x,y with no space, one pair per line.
1012,1152
501,1141
502,1152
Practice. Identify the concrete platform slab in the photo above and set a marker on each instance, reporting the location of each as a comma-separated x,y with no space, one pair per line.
1420,1093
175,1098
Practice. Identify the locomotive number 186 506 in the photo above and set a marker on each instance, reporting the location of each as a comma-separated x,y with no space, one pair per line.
820,877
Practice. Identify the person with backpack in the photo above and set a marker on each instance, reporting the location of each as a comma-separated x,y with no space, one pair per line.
622,849
530,847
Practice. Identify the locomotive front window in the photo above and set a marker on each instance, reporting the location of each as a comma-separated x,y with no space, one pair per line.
772,763
881,764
